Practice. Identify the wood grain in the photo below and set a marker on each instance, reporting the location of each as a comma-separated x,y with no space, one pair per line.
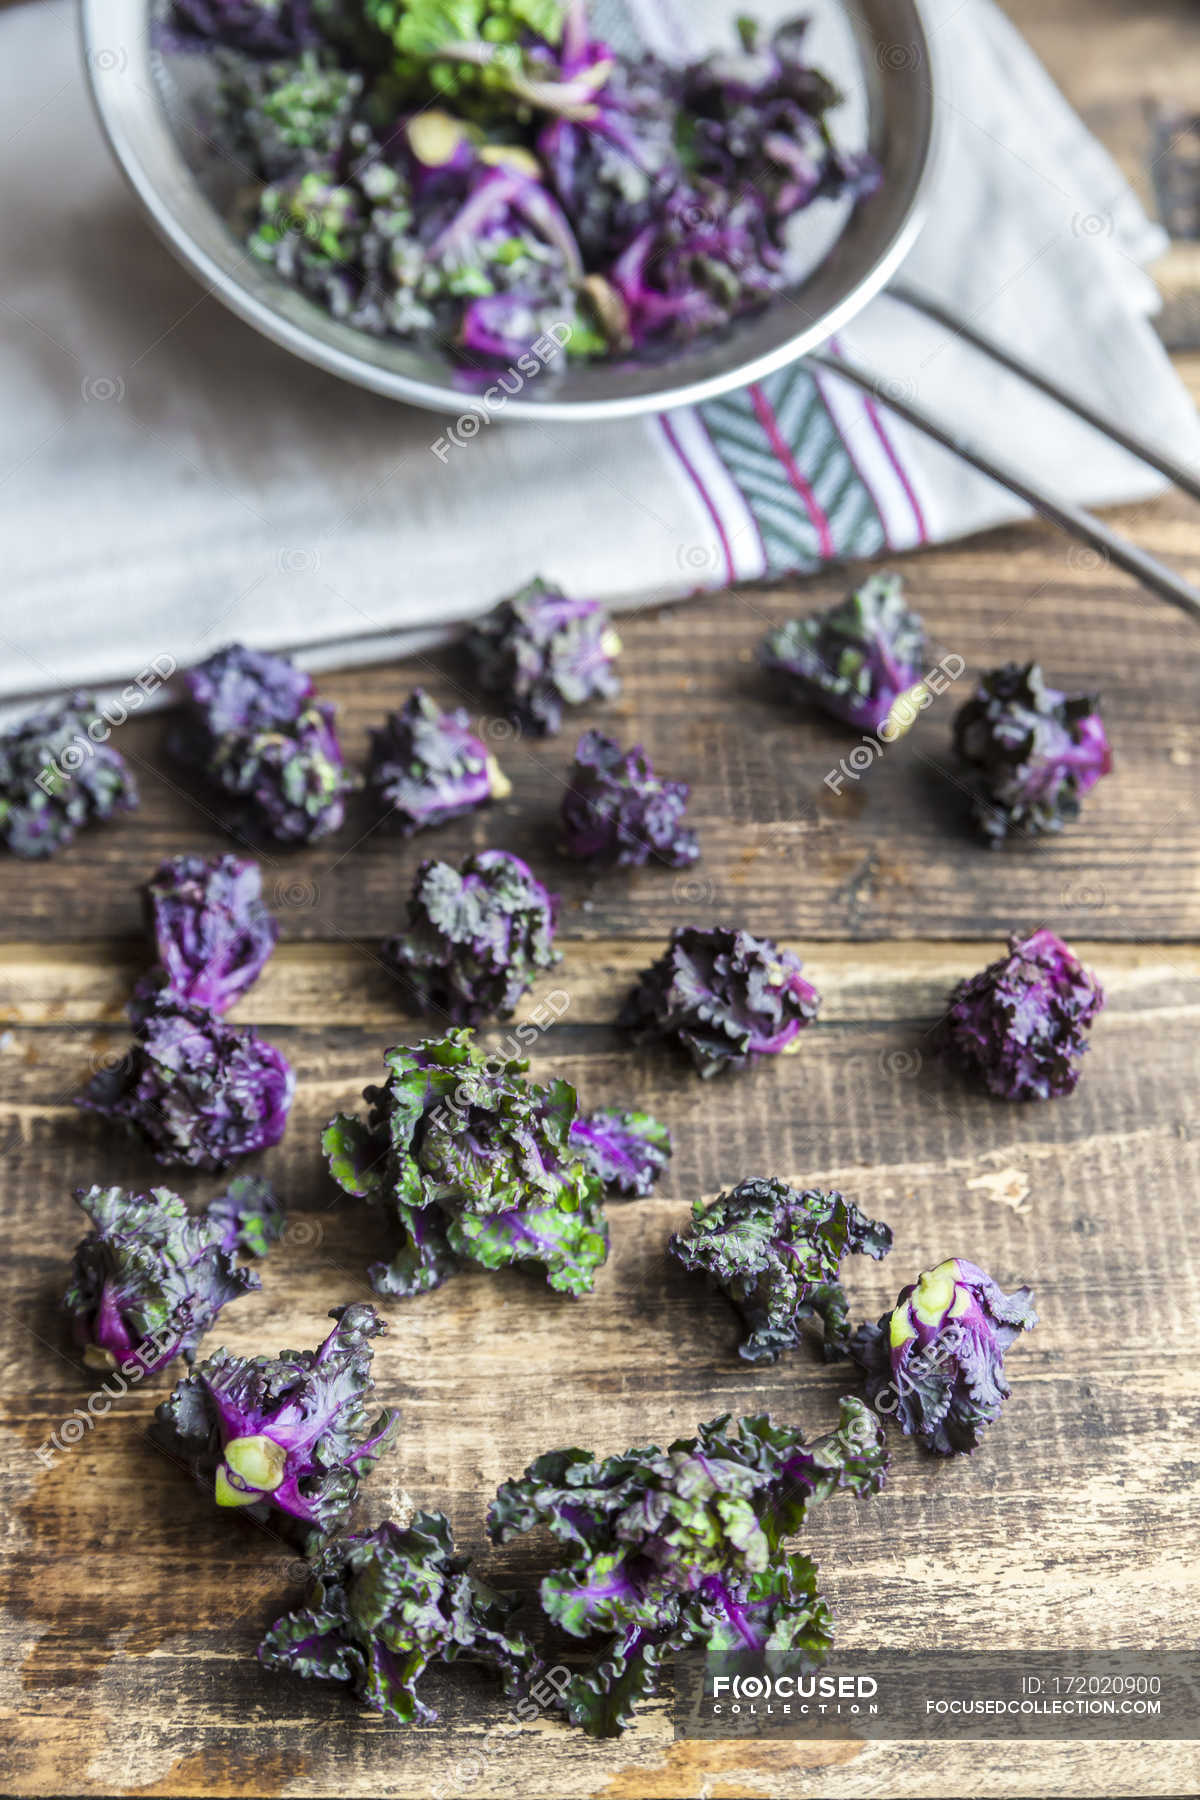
134,1607
130,1608
891,855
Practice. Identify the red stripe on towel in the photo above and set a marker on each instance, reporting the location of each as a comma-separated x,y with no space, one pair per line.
783,450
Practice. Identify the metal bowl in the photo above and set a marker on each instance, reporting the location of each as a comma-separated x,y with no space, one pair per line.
152,126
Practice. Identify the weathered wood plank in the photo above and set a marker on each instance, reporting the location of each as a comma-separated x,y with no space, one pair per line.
1065,1530
890,855
1131,54
88,985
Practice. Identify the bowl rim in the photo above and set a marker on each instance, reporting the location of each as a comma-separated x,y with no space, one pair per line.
131,113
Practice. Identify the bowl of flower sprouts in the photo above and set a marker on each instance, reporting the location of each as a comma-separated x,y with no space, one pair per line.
609,207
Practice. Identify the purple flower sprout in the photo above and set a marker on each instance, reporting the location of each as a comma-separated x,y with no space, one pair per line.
722,996
56,779
659,1550
617,811
862,660
213,934
476,938
198,1092
1021,1025
150,1278
427,767
382,1605
937,1361
1031,752
540,652
479,1164
776,1254
267,750
288,1435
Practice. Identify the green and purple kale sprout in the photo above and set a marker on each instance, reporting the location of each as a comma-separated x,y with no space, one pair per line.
627,1150
427,767
616,811
540,652
776,1254
288,1435
662,1550
613,173
382,1605
213,934
1020,1027
444,237
757,120
752,147
483,50
708,256
249,1213
478,1164
493,176
1031,752
284,118
722,996
56,779
862,660
937,1361
266,750
306,227
197,1091
150,1278
477,937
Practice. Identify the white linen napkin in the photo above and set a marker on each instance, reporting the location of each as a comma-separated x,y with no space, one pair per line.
170,481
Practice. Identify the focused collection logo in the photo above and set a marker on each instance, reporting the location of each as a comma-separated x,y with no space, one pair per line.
801,1695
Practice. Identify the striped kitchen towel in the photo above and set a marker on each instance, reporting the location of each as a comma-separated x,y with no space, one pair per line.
170,481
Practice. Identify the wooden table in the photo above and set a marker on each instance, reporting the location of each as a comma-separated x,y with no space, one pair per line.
133,1607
